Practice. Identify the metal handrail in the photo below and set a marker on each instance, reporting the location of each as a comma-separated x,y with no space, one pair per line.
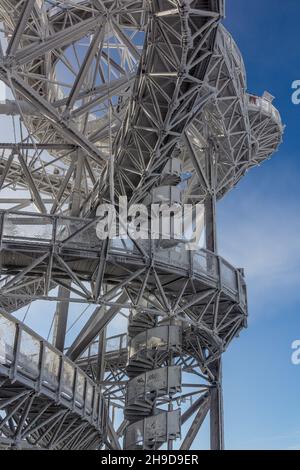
51,371
265,106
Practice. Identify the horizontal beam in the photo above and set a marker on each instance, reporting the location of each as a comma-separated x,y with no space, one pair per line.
20,27
63,127
113,436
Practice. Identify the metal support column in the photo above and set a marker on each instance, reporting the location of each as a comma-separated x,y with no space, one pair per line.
216,411
210,202
62,308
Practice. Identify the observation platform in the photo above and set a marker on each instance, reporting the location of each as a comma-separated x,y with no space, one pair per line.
46,401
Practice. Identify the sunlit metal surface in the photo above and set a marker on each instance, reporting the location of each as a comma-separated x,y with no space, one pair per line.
141,99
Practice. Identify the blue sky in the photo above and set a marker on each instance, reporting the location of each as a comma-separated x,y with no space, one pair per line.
259,226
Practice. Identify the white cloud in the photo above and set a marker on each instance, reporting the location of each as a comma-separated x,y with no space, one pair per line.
262,235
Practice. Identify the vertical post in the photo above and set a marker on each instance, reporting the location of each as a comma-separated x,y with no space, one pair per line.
100,372
210,223
216,394
62,308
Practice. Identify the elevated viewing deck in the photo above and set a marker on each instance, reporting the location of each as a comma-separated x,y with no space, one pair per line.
45,399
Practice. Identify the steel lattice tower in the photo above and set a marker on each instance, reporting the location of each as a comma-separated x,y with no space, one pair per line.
144,99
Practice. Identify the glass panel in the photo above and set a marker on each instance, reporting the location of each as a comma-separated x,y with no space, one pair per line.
127,246
138,343
68,379
180,256
29,354
143,245
7,340
265,105
212,265
121,244
153,429
51,368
